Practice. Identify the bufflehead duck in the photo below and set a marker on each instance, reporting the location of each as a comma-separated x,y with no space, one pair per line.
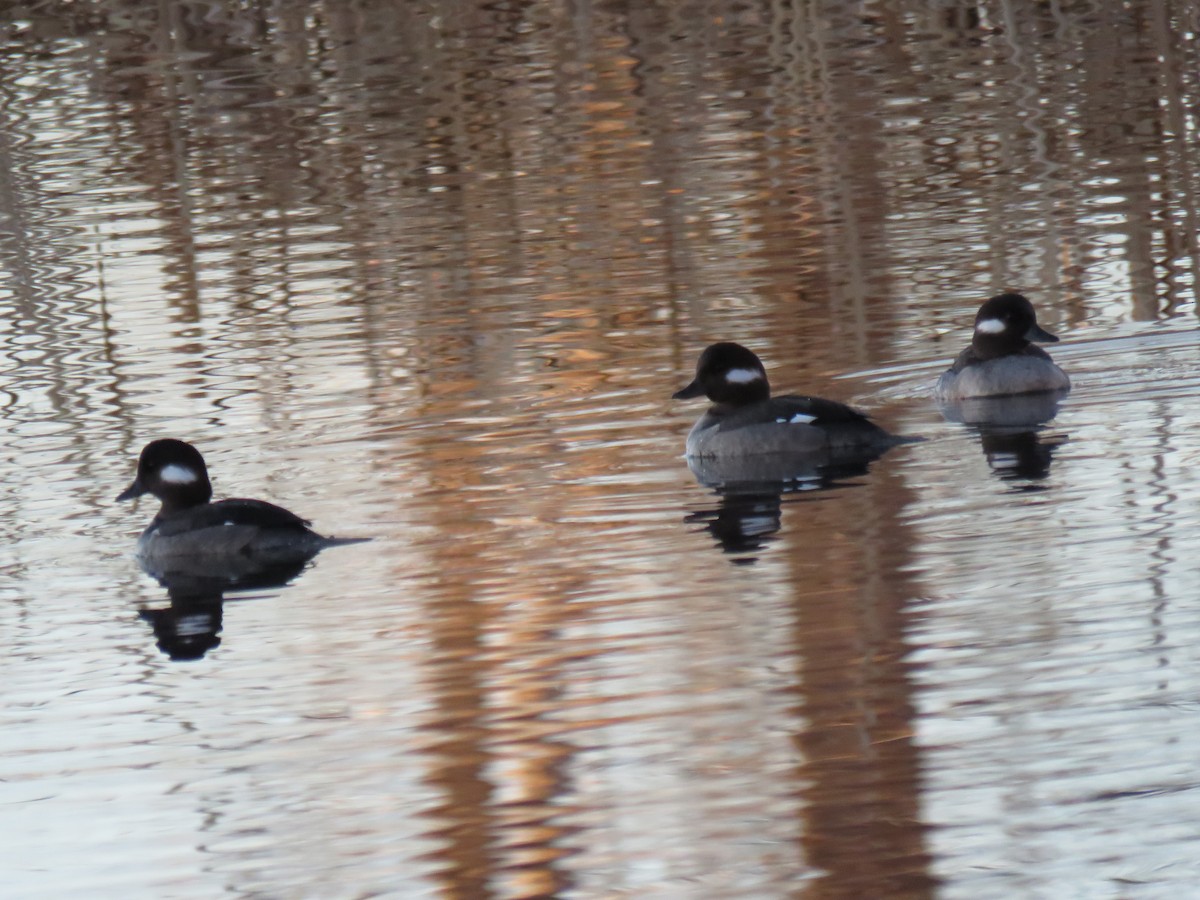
745,420
189,525
1001,360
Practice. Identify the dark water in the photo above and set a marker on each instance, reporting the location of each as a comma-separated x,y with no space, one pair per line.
429,272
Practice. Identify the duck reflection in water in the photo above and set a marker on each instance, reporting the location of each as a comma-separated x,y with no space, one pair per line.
189,627
752,490
1011,432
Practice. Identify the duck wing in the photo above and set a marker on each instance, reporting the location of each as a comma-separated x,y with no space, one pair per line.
254,513
816,411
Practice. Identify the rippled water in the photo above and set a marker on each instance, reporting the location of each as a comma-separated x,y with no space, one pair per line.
428,273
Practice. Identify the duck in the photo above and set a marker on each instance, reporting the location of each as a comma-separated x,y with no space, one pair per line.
190,526
745,420
1001,360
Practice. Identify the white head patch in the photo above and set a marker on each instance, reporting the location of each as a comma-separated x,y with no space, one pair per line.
177,474
743,376
990,326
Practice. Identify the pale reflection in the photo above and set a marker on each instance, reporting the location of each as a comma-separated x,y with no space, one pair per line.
1010,433
745,519
1019,455
190,625
752,491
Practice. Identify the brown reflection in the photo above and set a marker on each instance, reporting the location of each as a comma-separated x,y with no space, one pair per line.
492,214
460,756
499,772
862,810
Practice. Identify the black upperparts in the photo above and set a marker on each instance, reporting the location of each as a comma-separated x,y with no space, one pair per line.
258,513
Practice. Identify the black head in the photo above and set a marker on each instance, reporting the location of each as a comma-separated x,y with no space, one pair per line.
1005,323
174,472
728,373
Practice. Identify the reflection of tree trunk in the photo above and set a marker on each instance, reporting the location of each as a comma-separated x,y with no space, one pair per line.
861,806
458,762
862,825
1179,170
1134,137
498,768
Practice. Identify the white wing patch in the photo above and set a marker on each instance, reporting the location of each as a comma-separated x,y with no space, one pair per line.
798,419
990,326
177,474
743,376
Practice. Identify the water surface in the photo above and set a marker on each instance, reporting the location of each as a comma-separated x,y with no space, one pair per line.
429,274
